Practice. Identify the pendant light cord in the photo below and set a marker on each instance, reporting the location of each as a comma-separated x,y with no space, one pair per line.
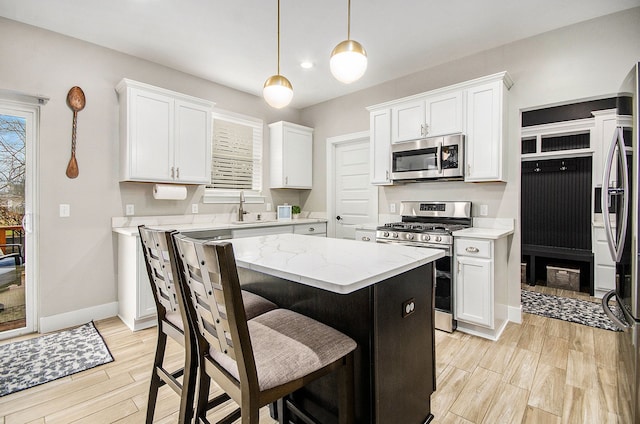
348,21
279,37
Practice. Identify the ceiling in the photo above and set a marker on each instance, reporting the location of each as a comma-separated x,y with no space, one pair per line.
234,42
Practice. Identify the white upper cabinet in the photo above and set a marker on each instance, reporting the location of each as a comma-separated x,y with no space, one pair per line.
380,147
428,116
291,148
444,114
475,108
164,136
486,131
407,121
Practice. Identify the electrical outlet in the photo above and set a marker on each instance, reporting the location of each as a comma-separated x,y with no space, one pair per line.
194,208
484,210
268,207
65,210
129,209
392,207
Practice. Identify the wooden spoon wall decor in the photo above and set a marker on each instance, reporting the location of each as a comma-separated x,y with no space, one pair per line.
76,101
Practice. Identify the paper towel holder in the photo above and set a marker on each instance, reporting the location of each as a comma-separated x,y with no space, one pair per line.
169,192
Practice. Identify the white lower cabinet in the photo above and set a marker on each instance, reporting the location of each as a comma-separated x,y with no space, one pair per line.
481,286
604,267
475,291
136,307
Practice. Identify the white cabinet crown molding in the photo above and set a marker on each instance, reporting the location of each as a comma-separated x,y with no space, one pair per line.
129,83
504,76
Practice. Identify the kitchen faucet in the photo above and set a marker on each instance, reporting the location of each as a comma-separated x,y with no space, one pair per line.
241,211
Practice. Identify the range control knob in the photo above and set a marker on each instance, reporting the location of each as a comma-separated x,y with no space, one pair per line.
386,233
438,238
409,236
395,235
426,237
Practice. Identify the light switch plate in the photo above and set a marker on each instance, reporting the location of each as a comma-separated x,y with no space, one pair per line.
268,207
129,210
392,207
484,210
194,208
65,210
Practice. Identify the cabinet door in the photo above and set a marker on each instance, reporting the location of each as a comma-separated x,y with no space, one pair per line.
145,305
192,143
604,267
407,121
151,118
444,114
380,147
484,133
474,291
298,158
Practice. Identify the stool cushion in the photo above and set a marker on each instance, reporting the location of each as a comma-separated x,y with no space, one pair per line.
287,346
255,305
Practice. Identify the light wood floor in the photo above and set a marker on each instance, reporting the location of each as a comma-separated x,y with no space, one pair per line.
542,371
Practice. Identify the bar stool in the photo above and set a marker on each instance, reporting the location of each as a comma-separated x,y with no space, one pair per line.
161,268
255,361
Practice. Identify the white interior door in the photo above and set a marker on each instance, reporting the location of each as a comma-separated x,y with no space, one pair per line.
351,198
18,138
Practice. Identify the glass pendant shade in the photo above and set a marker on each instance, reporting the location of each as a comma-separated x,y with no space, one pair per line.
348,61
277,91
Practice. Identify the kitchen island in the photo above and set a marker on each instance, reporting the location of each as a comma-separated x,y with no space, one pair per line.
380,295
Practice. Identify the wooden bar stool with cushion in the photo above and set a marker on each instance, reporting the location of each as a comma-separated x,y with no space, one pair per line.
161,268
260,360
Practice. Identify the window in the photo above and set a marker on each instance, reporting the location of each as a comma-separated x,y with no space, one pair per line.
236,157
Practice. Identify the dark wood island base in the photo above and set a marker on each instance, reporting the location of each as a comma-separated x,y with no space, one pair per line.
393,323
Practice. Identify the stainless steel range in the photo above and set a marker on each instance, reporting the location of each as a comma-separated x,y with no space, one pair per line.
430,224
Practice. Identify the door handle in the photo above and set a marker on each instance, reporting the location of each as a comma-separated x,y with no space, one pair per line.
615,246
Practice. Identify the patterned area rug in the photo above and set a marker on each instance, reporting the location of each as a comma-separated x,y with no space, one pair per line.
36,361
574,310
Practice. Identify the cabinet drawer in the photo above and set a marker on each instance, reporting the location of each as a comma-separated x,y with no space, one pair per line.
473,247
310,229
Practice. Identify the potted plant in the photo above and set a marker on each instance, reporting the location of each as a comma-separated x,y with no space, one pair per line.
295,211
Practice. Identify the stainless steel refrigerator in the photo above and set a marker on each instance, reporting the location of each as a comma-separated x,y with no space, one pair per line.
622,221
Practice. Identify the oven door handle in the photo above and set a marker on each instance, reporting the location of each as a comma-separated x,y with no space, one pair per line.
439,157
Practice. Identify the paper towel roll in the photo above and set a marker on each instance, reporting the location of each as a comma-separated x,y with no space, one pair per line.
169,192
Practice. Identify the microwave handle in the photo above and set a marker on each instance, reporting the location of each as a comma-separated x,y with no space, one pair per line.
439,157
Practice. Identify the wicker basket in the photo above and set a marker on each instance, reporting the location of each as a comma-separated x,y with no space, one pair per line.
563,278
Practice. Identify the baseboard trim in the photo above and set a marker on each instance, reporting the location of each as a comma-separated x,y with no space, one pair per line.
515,314
79,317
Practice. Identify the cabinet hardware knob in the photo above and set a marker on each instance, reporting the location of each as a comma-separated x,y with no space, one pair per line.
311,229
172,172
472,249
365,238
178,173
286,180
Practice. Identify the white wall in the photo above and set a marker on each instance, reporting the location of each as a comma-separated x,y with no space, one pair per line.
77,267
586,60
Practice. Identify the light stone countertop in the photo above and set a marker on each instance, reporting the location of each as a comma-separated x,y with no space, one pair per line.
487,228
337,265
132,230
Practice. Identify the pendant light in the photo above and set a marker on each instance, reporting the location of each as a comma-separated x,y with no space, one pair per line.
278,91
348,59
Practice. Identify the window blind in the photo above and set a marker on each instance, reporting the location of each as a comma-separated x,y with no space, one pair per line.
236,155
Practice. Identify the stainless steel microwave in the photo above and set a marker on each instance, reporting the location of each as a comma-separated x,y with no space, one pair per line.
428,158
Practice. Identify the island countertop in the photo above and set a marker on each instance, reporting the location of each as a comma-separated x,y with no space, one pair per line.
337,265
